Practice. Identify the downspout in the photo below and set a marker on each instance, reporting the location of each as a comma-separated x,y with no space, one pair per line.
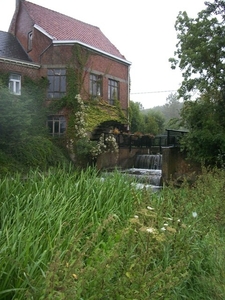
128,98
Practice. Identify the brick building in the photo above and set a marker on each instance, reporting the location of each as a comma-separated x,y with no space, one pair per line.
44,43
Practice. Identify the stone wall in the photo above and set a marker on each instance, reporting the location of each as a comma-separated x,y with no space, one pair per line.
176,167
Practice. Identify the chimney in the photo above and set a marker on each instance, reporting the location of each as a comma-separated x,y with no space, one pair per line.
18,3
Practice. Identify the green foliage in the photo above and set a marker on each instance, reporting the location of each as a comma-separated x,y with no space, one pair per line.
23,134
135,117
145,121
73,235
15,119
205,140
200,53
153,122
200,56
37,151
171,111
100,111
22,115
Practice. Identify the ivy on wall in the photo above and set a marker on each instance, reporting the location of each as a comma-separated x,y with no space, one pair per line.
97,111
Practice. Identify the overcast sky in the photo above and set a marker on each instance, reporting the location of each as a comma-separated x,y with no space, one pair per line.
143,31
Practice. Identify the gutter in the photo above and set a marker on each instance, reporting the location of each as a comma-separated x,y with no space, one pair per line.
69,42
19,62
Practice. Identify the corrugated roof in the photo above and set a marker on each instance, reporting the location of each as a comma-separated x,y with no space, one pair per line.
11,48
64,28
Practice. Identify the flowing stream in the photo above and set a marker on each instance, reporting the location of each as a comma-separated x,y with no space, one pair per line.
147,171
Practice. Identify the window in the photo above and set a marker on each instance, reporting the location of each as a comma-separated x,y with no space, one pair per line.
95,85
15,84
56,125
113,91
57,83
29,41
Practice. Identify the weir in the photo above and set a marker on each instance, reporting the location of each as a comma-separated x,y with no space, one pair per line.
147,170
149,161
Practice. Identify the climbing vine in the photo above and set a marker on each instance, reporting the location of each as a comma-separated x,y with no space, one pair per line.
84,117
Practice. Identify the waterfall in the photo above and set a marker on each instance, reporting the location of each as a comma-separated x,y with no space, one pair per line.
148,170
146,161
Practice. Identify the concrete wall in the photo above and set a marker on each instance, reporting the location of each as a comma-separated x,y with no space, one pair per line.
175,166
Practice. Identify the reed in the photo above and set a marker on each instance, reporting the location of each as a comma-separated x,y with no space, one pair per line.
68,234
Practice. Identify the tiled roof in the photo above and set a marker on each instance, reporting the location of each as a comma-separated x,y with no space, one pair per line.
64,28
11,48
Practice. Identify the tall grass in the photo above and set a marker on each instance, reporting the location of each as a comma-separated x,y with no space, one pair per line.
73,235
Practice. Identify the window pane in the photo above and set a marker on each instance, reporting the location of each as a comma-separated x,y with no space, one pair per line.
56,125
57,83
17,86
11,86
63,84
62,124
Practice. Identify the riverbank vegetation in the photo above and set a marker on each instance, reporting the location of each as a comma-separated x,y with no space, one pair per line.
66,234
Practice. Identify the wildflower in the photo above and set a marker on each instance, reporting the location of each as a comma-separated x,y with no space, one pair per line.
136,217
150,208
171,229
194,214
163,229
150,230
166,224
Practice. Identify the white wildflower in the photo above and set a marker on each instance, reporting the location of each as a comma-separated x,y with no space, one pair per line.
150,230
150,208
194,214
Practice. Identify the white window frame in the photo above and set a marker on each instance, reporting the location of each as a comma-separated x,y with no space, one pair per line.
15,84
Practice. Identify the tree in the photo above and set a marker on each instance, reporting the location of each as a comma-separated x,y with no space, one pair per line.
153,122
171,111
21,116
200,54
135,116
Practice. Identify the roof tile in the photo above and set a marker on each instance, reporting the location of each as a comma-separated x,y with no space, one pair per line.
11,48
64,28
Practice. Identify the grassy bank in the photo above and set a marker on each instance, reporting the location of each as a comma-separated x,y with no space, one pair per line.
72,235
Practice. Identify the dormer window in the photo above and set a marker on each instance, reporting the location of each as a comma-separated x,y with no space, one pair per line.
29,41
15,84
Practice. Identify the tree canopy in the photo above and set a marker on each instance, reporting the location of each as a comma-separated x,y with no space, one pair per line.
200,55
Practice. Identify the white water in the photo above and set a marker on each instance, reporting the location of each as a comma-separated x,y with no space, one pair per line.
147,171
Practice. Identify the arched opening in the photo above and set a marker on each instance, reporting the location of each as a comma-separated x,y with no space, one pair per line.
107,127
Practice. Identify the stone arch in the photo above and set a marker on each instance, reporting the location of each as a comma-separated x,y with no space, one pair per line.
106,127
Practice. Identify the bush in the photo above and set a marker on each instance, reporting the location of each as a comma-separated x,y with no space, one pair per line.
37,152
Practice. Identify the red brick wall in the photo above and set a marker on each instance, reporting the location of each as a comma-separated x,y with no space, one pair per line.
40,42
23,70
58,56
109,68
